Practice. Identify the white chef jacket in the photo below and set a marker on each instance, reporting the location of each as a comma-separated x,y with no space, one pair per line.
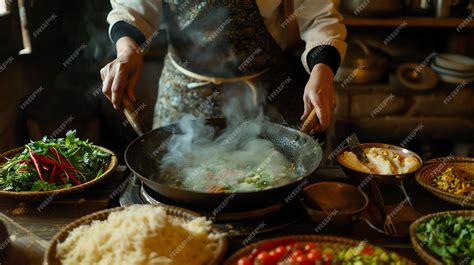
319,22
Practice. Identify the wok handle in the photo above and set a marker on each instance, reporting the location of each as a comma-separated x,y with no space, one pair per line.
131,114
309,122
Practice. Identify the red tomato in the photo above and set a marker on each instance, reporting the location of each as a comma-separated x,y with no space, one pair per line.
280,249
303,260
310,246
289,247
368,250
244,261
298,245
316,251
327,258
297,252
314,255
276,256
293,259
264,258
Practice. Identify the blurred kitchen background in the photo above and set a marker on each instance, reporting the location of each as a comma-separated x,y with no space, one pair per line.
406,79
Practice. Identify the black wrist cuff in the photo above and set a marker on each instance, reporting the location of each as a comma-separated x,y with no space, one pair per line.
121,29
325,54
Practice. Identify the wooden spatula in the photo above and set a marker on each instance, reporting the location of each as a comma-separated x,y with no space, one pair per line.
310,122
131,114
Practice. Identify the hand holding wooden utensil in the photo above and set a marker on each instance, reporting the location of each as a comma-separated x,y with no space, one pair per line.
310,122
121,76
131,114
319,100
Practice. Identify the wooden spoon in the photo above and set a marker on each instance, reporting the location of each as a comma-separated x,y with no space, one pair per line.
310,122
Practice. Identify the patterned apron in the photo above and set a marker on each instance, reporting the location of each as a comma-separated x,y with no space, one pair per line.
215,46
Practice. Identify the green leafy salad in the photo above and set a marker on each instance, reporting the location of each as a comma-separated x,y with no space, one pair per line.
50,164
448,237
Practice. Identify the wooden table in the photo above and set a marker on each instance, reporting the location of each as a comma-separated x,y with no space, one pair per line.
45,222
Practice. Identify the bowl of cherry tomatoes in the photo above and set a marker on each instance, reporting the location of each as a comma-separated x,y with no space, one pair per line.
313,250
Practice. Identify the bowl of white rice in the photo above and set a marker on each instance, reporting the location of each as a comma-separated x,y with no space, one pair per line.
138,235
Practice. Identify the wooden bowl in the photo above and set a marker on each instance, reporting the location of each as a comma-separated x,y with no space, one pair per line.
41,195
449,159
181,213
337,203
338,243
383,180
436,167
425,254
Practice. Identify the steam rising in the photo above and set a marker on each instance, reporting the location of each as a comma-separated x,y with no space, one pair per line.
235,158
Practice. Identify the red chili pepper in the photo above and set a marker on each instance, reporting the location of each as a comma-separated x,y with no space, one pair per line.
53,162
61,158
73,178
61,177
47,160
37,166
58,155
52,178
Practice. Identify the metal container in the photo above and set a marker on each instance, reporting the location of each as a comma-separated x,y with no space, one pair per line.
363,65
383,180
419,7
443,8
336,202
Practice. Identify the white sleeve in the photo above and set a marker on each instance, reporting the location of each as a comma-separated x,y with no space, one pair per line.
144,15
320,23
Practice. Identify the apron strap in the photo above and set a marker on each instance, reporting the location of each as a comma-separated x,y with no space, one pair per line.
205,80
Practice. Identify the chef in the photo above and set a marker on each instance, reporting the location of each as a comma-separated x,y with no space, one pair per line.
214,44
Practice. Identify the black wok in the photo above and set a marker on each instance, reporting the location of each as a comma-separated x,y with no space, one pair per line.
143,156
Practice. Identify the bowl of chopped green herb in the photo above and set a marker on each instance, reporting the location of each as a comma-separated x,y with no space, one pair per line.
445,237
54,167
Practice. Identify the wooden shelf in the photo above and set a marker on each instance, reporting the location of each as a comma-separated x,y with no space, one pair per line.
411,22
441,88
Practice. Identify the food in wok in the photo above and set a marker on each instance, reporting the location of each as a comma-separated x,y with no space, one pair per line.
237,159
236,171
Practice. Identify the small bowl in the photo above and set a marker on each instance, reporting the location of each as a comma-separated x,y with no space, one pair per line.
387,180
333,203
436,167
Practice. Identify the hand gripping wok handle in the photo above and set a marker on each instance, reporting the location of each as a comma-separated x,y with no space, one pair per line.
131,114
310,122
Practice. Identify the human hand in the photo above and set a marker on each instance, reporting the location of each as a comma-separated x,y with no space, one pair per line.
122,74
319,95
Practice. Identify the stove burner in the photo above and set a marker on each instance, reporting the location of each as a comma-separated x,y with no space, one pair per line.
240,223
152,197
